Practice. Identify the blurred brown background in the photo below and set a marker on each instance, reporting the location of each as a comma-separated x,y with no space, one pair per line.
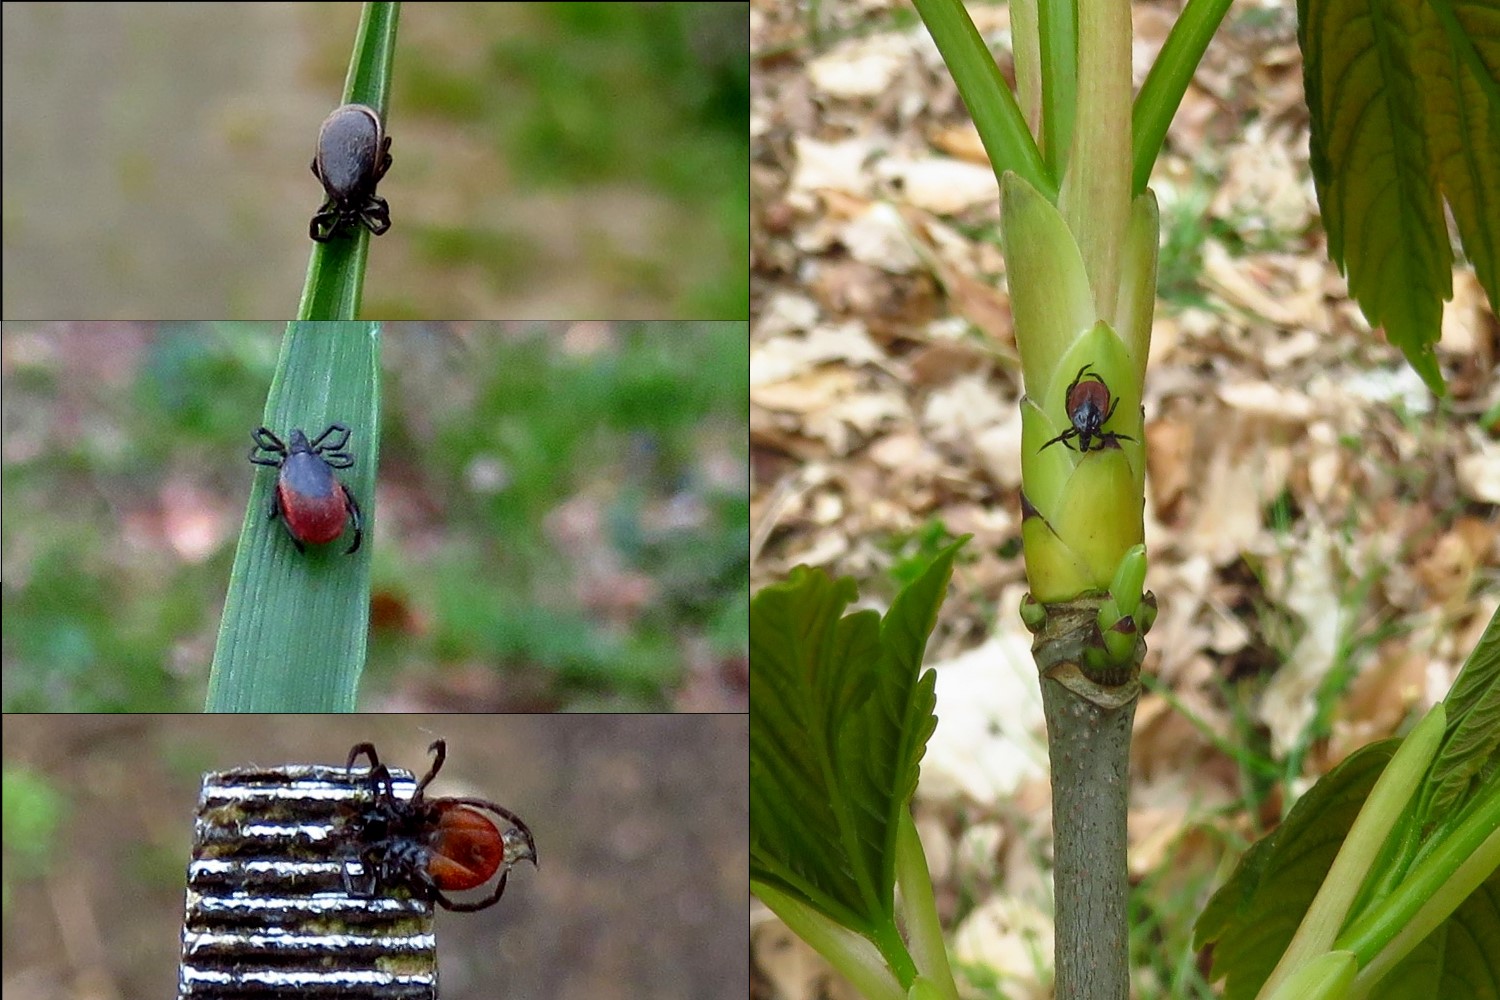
640,822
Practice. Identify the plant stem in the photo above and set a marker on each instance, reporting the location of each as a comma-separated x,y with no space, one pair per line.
1088,738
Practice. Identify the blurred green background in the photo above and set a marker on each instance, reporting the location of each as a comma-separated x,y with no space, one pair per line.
561,520
551,160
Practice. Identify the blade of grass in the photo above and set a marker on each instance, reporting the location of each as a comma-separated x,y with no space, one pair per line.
336,269
295,625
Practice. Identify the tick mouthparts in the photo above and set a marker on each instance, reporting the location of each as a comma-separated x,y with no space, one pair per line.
518,848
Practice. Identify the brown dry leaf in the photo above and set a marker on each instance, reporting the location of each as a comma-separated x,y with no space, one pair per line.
962,141
941,185
1479,473
1380,698
838,165
861,67
1263,191
981,304
779,359
1313,595
992,739
879,236
1233,491
1261,286
811,392
1450,568
1169,449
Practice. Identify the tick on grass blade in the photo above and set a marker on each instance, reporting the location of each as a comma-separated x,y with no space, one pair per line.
1089,406
353,154
308,497
429,846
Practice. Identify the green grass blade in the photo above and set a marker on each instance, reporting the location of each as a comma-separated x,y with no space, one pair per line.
336,269
295,625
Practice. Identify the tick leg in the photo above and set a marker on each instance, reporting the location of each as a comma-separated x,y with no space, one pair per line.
275,511
376,215
1071,432
439,751
353,506
324,215
494,898
317,444
363,748
265,440
385,158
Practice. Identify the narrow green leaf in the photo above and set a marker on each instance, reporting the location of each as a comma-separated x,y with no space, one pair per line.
1002,127
1167,81
336,269
294,630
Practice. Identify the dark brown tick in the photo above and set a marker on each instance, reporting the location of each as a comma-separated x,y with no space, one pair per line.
1089,406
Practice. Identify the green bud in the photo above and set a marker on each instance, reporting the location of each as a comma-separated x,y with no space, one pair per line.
1120,640
1130,577
1033,613
1147,615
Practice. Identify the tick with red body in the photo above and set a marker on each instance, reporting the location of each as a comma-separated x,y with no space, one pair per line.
1089,405
429,846
308,497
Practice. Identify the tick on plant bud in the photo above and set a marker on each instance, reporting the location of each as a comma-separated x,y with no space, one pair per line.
353,154
308,497
1089,405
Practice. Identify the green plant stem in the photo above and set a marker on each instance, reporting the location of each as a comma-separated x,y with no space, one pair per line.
1381,812
919,910
1002,127
854,955
1429,895
1088,739
1167,81
1057,33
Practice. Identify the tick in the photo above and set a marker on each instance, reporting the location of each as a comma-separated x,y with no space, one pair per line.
429,846
353,154
308,497
1089,406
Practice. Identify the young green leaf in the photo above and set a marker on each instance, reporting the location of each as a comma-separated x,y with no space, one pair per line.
1472,742
839,721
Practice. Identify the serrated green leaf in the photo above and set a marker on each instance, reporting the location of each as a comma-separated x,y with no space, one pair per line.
1404,104
1472,744
1253,916
1464,126
839,721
